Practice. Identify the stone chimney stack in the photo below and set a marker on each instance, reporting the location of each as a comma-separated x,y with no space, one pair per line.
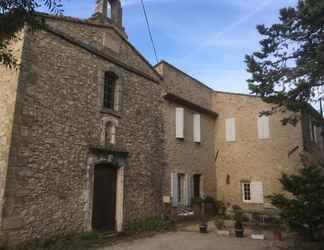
116,15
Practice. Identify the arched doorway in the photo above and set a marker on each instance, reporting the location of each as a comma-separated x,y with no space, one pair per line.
104,198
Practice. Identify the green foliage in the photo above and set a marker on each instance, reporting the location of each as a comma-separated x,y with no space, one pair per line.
67,242
219,221
220,207
196,200
303,209
239,216
288,70
148,225
14,15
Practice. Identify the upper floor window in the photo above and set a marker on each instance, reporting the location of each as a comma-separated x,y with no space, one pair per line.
109,98
252,192
179,123
196,128
263,127
230,130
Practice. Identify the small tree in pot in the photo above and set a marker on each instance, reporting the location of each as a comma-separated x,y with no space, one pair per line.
238,218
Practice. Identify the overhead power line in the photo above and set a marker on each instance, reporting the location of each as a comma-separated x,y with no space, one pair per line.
149,31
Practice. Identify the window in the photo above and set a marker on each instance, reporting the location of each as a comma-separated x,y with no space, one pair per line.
179,123
196,128
252,192
246,189
230,133
181,188
263,127
196,185
110,133
109,90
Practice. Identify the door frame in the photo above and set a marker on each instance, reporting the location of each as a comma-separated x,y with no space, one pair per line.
119,218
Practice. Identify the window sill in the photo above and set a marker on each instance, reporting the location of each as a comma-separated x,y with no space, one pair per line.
180,140
111,112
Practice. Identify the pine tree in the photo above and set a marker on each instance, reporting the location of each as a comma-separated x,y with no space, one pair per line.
288,70
14,15
303,208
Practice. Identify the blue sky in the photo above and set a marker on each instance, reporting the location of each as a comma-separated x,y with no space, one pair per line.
207,39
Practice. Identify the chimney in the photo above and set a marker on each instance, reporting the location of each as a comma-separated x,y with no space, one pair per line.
116,15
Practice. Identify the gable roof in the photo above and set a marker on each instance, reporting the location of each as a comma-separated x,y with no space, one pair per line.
97,52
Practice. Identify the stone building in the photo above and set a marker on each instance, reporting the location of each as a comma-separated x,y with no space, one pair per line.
189,128
86,117
84,107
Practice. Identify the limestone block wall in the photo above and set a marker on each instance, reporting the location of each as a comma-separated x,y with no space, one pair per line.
8,93
58,118
186,156
181,84
250,158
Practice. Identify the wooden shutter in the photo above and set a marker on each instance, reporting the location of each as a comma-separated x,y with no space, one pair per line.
257,192
263,127
174,189
188,191
179,122
230,130
196,128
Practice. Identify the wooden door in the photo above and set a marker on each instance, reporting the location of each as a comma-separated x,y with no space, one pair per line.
104,198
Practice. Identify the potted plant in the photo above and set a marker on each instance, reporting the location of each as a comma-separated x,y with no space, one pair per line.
210,206
256,232
238,218
276,233
220,207
219,222
196,205
203,226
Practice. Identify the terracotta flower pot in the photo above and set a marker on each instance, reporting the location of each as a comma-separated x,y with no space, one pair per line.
203,228
276,235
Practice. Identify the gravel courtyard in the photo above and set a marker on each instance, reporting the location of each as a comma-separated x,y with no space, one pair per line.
182,240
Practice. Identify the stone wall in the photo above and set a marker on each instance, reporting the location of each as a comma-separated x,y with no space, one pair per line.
183,85
59,116
8,93
249,158
186,156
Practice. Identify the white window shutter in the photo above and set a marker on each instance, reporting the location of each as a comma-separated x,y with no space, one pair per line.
174,189
230,132
257,192
263,127
196,128
179,122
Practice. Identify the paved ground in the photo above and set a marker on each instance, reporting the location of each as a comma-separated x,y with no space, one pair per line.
182,240
188,238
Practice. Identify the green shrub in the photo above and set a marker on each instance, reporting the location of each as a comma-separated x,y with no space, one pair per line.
154,224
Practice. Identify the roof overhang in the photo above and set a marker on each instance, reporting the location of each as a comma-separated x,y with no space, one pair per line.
179,100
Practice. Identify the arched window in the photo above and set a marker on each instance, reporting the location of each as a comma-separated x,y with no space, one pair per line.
110,133
109,90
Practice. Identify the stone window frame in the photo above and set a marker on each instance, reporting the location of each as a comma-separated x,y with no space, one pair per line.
111,122
117,92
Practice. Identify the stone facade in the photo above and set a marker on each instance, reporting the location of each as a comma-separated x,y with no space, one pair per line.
187,157
57,130
249,158
54,129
